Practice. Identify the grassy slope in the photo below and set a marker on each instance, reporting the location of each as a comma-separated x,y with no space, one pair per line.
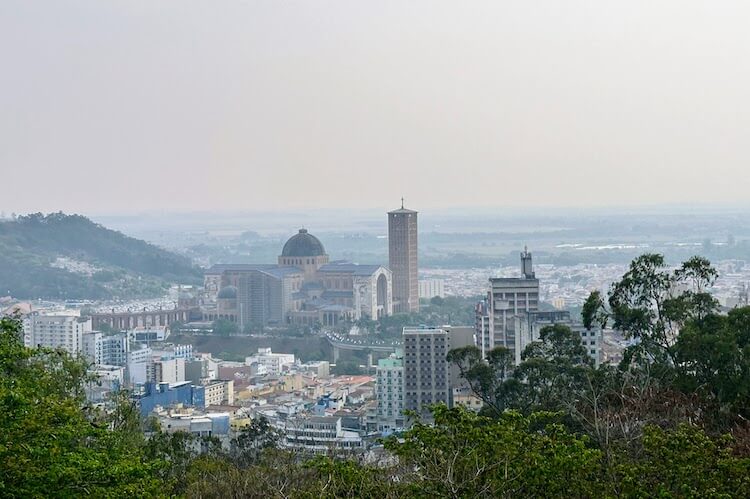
29,244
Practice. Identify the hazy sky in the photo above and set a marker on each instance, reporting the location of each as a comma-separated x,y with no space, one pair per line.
123,106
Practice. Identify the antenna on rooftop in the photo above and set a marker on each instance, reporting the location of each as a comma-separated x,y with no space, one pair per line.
402,202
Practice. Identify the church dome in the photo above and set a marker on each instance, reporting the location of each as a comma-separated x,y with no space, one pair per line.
303,244
227,293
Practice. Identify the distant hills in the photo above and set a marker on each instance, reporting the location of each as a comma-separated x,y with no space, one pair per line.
60,256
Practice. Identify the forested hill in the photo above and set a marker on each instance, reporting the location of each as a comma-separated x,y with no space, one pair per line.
62,256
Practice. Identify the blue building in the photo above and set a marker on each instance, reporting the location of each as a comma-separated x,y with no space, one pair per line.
165,395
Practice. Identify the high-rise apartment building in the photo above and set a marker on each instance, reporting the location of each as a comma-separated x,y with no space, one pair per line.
430,288
140,366
402,258
219,392
56,331
169,371
390,392
428,376
108,350
507,298
426,373
482,326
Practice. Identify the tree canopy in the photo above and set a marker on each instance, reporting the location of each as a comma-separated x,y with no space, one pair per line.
51,442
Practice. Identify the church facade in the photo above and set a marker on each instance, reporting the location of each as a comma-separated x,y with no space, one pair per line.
304,288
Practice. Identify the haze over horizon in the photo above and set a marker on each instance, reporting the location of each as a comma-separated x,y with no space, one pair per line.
137,106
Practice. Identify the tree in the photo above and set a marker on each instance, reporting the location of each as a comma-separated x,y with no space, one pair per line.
366,324
467,455
223,327
684,462
714,358
282,474
649,305
437,301
694,362
492,381
252,440
346,367
551,375
553,370
51,442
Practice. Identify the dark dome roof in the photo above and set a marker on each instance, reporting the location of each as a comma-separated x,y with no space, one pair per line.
303,244
227,293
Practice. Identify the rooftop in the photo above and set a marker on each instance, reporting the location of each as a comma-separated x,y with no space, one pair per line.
352,268
303,244
269,269
402,209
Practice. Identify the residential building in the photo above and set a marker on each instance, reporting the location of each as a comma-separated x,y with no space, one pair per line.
426,370
319,435
196,370
403,258
463,396
507,298
431,288
91,347
210,424
115,348
274,363
428,376
57,331
169,371
320,369
482,327
174,351
109,379
149,334
105,349
219,392
389,382
140,367
169,394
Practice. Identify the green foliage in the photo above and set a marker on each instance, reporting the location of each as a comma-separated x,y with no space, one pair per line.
282,474
346,367
552,373
252,440
684,463
223,327
435,312
689,365
684,346
648,304
713,360
51,444
29,244
466,455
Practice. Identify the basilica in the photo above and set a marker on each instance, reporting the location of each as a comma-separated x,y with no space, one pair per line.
304,288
